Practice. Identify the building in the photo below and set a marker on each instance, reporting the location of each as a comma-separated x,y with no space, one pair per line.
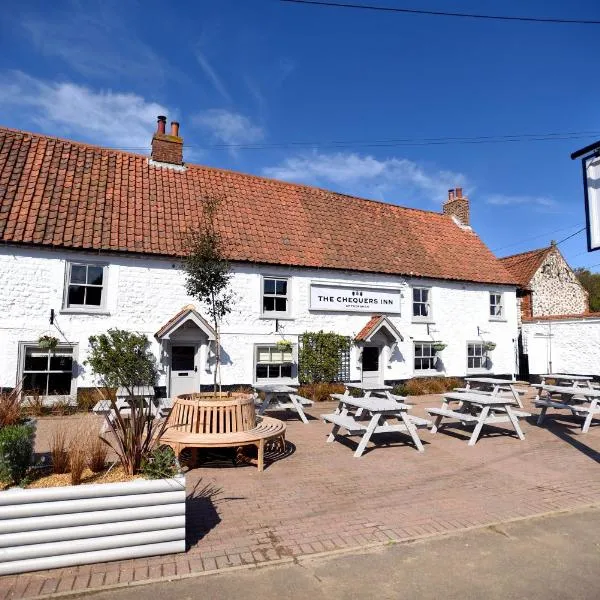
547,284
550,293
93,238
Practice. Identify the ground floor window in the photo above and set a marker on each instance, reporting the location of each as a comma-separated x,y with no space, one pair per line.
425,356
273,362
476,356
47,372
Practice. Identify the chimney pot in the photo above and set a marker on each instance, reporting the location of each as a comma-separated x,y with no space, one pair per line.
162,122
450,195
175,128
459,193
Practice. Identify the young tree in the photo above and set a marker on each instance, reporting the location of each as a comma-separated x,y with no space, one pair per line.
208,275
122,358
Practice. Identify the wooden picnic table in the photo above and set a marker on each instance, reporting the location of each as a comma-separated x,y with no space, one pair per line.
573,399
477,409
381,410
282,397
493,386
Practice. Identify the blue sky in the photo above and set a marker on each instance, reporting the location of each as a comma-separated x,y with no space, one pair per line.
292,79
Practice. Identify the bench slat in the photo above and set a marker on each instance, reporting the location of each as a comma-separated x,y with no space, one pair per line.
451,414
345,421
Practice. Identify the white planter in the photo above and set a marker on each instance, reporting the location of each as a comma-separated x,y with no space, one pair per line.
47,528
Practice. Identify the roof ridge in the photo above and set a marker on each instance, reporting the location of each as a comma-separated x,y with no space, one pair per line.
220,170
546,248
73,142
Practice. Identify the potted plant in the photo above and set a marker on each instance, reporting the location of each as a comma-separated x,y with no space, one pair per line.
438,346
284,345
489,346
48,342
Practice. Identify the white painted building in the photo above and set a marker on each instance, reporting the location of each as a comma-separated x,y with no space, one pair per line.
96,257
563,344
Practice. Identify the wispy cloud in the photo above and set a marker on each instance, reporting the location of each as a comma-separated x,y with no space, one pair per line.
398,178
229,127
536,202
118,119
212,75
97,42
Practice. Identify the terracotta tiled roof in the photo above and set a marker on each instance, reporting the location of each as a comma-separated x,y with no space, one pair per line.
590,315
65,194
366,330
523,266
371,327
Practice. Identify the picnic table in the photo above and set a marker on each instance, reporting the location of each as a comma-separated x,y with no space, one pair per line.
492,386
282,397
573,399
369,388
381,410
478,409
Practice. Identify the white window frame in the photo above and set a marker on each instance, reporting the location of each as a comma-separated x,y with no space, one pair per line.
24,346
85,308
415,357
293,362
421,318
274,314
484,358
501,316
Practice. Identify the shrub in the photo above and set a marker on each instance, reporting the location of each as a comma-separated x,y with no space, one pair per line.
16,451
59,449
62,406
78,450
87,398
320,392
10,407
34,404
320,356
160,464
123,358
427,385
97,453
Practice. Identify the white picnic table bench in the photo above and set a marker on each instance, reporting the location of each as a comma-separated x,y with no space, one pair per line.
380,410
492,386
477,409
580,401
282,397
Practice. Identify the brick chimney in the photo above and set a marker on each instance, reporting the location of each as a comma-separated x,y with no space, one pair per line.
167,148
457,206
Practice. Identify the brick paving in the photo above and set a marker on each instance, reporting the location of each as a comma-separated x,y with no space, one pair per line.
318,497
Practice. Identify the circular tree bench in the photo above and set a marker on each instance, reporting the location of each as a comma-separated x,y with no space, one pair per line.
199,422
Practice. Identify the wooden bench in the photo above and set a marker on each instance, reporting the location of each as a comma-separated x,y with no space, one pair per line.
197,422
452,414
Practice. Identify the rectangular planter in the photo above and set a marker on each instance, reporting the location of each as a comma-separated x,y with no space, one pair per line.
47,528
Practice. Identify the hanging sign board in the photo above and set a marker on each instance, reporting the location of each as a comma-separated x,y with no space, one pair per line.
354,299
591,176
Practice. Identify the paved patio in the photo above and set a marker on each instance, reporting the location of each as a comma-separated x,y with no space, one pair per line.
319,498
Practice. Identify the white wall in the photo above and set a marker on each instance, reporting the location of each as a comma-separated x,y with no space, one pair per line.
565,346
144,293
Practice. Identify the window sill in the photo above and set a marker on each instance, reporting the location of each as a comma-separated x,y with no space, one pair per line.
495,320
84,311
427,372
424,321
279,317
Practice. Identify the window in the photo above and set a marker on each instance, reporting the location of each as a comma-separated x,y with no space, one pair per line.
425,356
476,356
273,363
85,286
421,303
496,308
48,372
275,299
